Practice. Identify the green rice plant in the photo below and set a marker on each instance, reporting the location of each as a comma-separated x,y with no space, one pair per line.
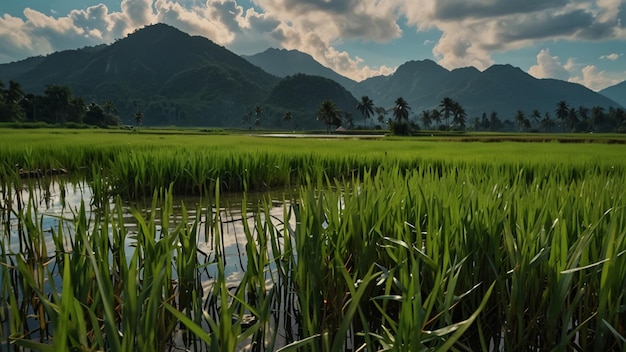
411,249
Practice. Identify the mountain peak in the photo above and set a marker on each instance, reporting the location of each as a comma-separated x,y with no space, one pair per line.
158,30
504,68
423,70
283,63
421,63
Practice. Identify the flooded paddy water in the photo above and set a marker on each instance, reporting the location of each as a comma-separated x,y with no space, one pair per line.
33,216
432,258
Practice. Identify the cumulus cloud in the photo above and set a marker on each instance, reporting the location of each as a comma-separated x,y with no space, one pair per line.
316,26
453,10
612,57
138,12
371,20
37,33
596,79
549,66
475,29
94,21
471,30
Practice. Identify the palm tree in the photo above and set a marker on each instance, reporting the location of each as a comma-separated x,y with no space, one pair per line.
77,111
562,111
597,117
257,115
572,118
447,107
460,116
547,122
329,114
95,115
15,93
349,120
381,113
365,107
138,117
287,116
520,119
583,113
435,115
401,110
484,122
535,116
12,102
494,122
426,118
617,118
110,108
58,101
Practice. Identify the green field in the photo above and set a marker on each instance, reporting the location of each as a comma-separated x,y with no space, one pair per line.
465,243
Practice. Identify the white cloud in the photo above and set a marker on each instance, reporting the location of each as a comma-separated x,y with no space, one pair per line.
138,12
590,76
612,57
472,30
315,27
549,66
475,29
595,79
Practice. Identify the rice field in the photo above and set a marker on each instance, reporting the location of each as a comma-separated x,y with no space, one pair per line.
392,244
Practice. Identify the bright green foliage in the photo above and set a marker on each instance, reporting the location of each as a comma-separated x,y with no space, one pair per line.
409,251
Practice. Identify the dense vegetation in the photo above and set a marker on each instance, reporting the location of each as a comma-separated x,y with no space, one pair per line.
56,106
395,244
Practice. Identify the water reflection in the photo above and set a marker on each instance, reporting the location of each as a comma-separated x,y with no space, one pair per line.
53,204
38,226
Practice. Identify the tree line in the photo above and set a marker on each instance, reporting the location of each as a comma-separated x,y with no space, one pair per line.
451,116
57,105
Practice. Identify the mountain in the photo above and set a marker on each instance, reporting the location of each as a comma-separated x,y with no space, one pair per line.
302,94
177,79
171,77
616,92
501,88
283,63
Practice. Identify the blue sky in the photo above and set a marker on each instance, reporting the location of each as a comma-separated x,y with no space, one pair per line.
575,40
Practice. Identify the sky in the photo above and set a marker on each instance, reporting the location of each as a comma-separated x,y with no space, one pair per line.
574,40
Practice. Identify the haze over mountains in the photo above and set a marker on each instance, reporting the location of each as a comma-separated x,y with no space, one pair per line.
177,79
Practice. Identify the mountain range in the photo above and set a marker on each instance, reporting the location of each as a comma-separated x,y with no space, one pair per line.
501,88
177,79
616,92
172,78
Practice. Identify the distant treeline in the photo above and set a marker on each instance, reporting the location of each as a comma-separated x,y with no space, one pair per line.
55,106
58,106
565,119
